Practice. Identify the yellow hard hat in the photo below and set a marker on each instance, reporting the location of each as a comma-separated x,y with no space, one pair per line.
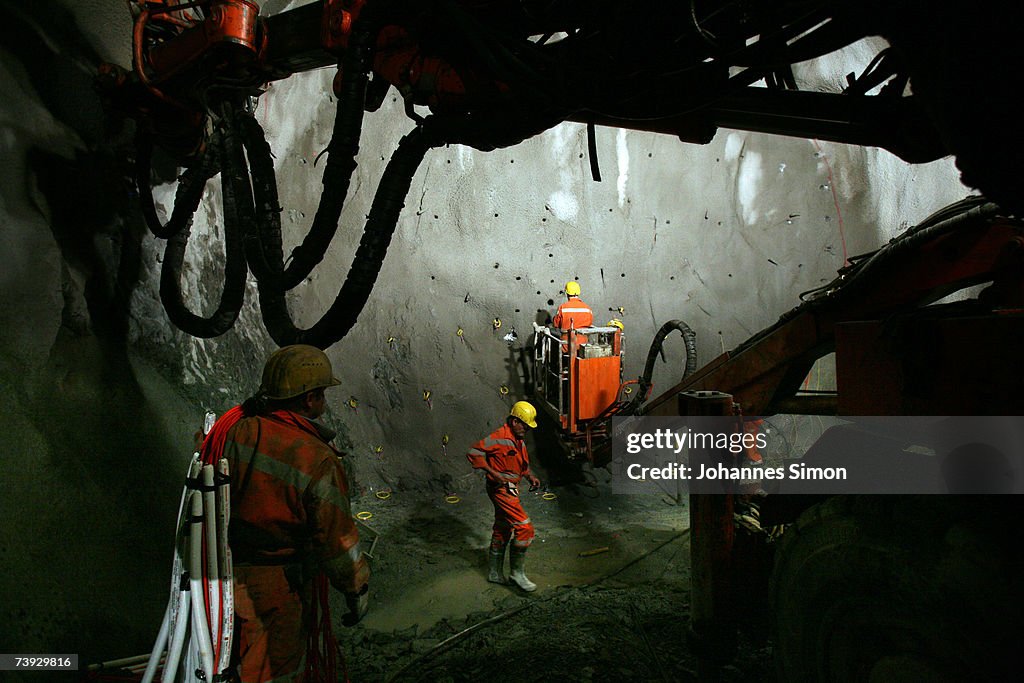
524,410
572,288
615,322
293,370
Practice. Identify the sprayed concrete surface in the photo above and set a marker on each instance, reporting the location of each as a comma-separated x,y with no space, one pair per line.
101,396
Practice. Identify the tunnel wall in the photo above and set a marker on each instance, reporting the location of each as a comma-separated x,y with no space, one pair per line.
102,396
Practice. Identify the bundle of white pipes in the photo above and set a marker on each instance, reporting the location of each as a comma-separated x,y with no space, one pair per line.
194,642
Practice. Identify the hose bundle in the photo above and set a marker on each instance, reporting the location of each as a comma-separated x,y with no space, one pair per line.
197,632
237,149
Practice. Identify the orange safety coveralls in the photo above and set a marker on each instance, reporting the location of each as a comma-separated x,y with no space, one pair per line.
290,517
575,314
503,452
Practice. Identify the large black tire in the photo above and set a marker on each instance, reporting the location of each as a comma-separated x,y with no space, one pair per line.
899,588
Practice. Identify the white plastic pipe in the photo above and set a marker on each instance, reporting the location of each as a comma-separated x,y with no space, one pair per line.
227,591
210,527
178,641
176,617
139,668
161,644
200,629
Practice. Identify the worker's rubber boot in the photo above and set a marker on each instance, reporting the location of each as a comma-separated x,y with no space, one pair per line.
496,557
517,561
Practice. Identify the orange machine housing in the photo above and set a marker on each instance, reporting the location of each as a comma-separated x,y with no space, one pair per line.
578,378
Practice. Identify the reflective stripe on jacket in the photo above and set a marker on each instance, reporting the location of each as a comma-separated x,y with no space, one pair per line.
573,313
501,451
289,498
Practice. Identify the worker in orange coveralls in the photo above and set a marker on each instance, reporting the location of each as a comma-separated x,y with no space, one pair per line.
503,458
290,515
573,313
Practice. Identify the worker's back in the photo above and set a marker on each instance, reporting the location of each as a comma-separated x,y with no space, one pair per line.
573,314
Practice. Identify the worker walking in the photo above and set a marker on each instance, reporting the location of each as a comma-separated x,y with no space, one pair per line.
290,515
503,458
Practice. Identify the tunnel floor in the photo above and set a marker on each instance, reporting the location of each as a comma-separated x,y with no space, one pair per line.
612,602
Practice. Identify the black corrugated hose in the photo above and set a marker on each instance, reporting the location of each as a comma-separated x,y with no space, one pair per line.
689,338
186,198
233,293
388,203
264,246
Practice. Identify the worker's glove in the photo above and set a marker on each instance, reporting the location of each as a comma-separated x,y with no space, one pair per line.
358,604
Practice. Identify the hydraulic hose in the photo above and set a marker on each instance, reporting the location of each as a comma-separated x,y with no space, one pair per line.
186,198
689,338
263,247
380,226
233,292
946,220
967,212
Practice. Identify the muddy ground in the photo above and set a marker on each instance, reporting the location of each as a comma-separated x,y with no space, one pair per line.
619,614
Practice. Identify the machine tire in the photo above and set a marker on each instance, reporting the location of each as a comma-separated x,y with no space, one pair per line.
890,588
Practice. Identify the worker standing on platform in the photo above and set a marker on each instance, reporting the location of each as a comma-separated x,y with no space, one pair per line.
503,458
573,313
290,516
